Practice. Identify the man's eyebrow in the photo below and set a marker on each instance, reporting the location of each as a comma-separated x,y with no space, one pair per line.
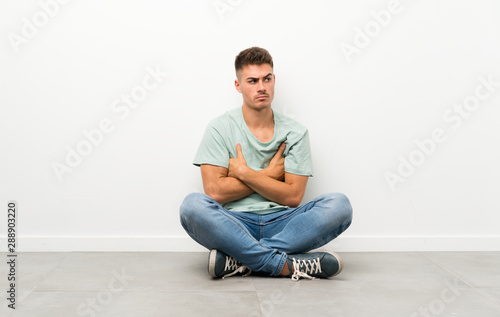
255,78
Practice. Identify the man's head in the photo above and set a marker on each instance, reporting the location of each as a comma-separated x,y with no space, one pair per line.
255,78
252,56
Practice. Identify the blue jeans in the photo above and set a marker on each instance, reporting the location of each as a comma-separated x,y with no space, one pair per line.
262,242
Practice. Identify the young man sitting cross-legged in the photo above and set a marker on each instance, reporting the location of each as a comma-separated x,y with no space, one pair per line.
255,163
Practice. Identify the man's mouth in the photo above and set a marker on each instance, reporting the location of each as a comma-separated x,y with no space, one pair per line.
262,97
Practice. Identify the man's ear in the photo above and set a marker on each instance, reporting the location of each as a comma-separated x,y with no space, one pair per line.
237,85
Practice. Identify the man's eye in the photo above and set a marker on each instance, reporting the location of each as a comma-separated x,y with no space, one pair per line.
251,81
268,79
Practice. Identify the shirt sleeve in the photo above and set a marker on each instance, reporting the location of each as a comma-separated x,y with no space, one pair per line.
298,158
212,149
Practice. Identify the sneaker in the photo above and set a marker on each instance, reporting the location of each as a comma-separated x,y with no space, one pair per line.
312,265
223,265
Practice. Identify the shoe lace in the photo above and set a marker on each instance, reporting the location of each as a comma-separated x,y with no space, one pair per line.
233,264
302,268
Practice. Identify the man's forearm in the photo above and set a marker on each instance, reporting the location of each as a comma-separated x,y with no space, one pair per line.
231,189
274,190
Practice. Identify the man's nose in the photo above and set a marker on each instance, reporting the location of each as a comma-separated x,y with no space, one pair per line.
260,86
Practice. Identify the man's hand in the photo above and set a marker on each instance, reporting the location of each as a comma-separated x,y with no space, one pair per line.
237,165
276,168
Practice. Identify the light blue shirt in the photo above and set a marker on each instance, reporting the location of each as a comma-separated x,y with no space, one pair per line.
219,145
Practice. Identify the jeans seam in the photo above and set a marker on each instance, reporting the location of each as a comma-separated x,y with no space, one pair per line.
261,228
287,216
232,214
284,256
243,219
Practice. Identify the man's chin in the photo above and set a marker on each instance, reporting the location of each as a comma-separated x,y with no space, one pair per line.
260,105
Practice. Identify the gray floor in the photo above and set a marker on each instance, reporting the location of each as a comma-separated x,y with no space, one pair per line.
177,284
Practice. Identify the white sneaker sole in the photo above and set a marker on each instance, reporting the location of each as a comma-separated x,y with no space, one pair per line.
211,262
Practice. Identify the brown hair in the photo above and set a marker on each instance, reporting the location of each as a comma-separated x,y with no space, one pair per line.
252,56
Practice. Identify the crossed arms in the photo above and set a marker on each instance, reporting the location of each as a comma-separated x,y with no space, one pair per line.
239,180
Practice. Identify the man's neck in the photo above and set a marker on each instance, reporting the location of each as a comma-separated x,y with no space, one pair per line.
258,119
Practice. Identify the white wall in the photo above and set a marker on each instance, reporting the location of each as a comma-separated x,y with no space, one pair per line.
365,100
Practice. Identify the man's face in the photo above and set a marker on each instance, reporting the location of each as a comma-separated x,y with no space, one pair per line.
256,85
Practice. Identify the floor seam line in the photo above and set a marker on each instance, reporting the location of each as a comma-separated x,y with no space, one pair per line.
454,274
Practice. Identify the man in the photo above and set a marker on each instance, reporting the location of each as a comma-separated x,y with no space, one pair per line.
255,163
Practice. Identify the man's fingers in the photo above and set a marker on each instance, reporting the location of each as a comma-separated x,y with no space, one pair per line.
281,149
238,150
279,154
